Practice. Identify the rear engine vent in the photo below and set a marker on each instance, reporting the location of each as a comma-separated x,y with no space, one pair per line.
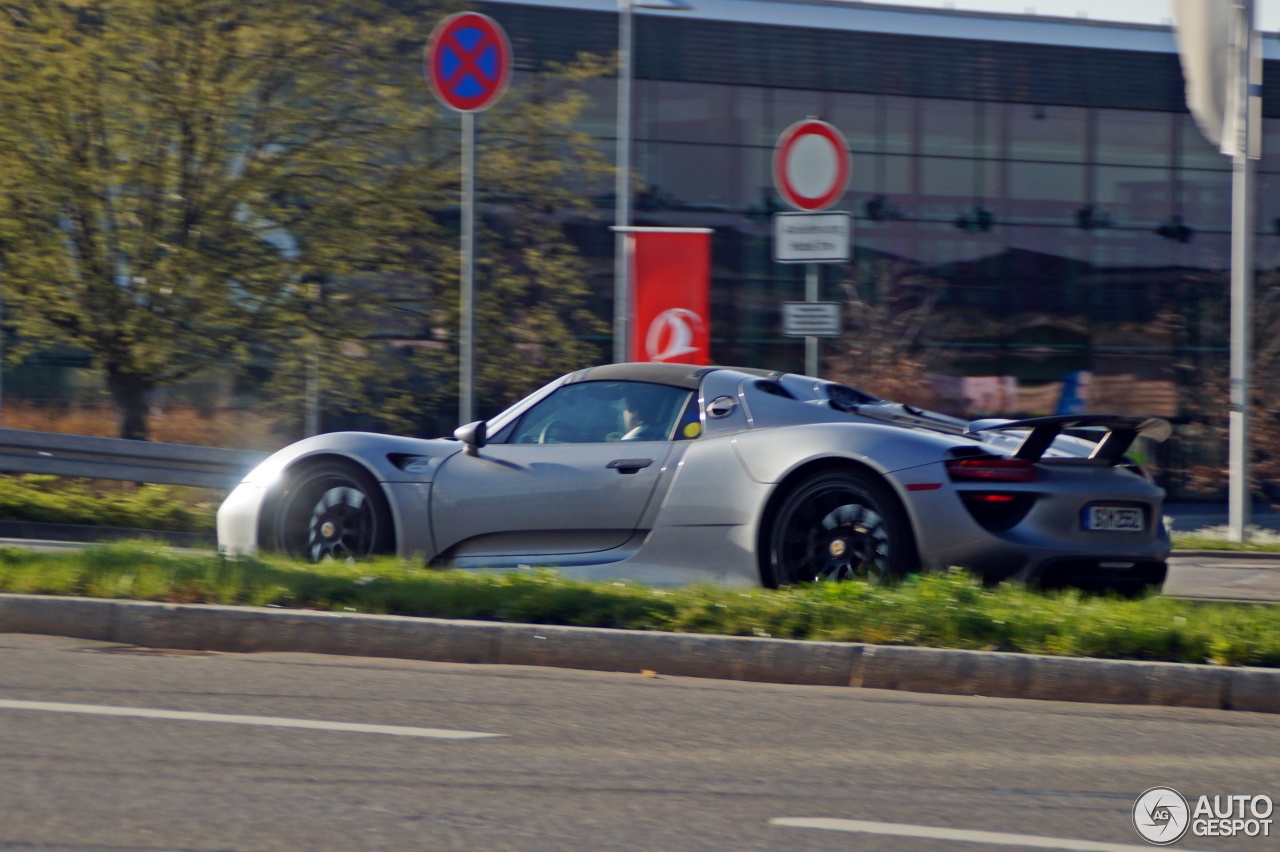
997,511
844,398
773,388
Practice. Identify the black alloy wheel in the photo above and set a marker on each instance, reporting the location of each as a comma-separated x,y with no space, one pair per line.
333,511
838,525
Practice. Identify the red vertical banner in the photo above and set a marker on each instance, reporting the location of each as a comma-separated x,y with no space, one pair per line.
671,271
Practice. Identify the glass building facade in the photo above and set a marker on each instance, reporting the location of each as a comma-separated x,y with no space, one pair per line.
1040,179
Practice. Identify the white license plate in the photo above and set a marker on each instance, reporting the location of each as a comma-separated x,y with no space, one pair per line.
1113,519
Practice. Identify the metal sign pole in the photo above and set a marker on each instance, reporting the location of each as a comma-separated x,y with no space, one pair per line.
811,342
1239,509
622,190
1239,494
466,295
468,64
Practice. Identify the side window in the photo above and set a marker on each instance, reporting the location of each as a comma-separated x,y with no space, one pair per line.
595,412
690,423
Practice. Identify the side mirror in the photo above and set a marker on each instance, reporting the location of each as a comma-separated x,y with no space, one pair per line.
473,435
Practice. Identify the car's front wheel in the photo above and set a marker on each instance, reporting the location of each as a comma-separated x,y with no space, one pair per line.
837,525
332,511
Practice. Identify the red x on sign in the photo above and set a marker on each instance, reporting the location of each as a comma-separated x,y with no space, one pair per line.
468,61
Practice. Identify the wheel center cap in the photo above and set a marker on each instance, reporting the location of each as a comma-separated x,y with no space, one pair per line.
328,529
838,548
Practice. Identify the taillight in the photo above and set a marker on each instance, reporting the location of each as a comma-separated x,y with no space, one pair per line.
991,470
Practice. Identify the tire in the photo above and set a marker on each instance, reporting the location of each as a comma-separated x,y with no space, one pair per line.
332,511
838,525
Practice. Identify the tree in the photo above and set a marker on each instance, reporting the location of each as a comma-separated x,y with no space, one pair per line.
533,320
176,174
891,317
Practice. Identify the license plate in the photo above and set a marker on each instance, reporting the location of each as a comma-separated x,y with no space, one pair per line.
1113,519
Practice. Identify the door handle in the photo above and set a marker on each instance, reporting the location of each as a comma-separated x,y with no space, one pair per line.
629,465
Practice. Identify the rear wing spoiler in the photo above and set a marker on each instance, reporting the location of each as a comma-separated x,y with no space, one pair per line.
1121,432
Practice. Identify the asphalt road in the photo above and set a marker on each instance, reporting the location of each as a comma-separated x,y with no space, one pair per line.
1224,576
211,756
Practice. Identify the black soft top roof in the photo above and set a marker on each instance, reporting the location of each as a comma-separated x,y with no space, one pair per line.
676,375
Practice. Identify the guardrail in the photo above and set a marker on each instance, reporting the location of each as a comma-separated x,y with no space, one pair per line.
22,451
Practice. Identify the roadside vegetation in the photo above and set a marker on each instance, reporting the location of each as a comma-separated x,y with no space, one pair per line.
1216,538
942,610
54,500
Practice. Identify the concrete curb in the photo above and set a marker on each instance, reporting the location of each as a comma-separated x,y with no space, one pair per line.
998,675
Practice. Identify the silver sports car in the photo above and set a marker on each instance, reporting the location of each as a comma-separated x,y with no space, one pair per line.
667,473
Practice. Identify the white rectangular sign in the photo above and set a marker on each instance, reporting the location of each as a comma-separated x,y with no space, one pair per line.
811,319
811,237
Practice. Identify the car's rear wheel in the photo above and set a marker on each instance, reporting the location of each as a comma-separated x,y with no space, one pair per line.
838,525
332,511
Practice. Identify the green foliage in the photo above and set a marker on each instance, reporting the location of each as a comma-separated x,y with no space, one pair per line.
532,312
948,610
186,183
50,500
1201,541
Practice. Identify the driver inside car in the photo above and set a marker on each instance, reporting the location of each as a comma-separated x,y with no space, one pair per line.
641,416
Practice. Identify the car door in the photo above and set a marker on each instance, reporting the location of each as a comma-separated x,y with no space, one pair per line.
573,475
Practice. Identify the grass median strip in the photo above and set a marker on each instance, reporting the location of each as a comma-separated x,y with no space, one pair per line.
948,610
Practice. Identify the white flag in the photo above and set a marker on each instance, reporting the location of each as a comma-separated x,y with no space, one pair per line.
1212,35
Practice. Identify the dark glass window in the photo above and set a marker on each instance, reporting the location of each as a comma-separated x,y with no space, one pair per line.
890,176
1045,193
1128,137
1270,146
991,129
948,128
1268,208
855,115
1267,248
701,112
951,187
1206,198
1134,196
697,177
1068,246
756,179
1046,271
1123,248
752,123
891,239
898,125
792,105
599,117
1197,153
946,249
1054,133
1210,252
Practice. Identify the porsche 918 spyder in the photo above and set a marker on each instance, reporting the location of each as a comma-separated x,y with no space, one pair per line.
667,474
